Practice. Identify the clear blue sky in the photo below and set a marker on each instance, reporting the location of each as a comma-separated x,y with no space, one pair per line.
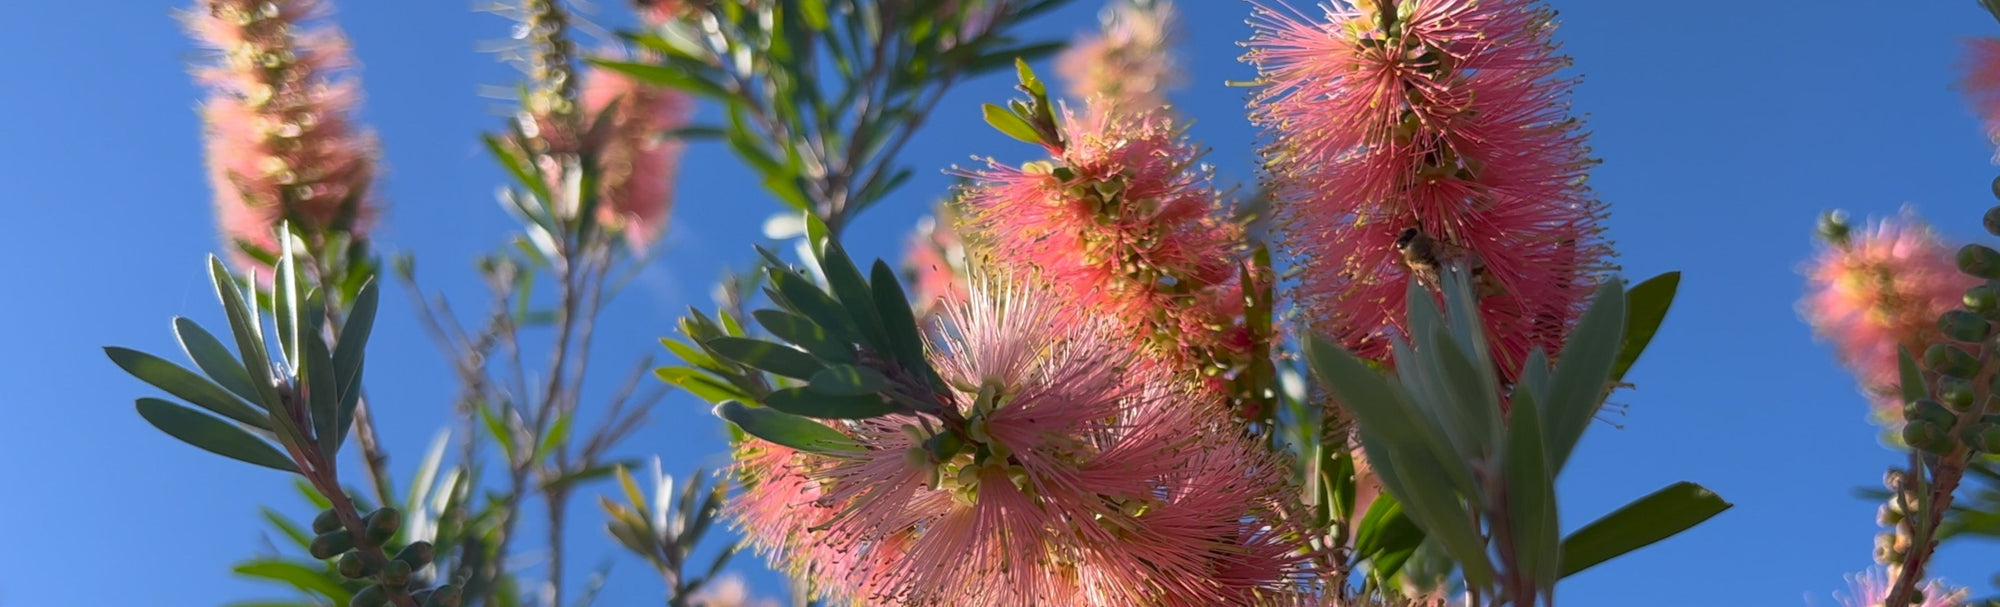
1724,130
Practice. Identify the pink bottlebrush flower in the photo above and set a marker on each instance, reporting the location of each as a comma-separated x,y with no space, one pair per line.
637,160
658,12
727,591
1124,222
1447,127
1066,472
1128,66
1869,588
1981,82
280,143
1883,289
935,261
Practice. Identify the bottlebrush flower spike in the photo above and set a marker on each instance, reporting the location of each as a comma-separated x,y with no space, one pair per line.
1408,134
1870,292
1064,473
1981,83
1126,224
636,158
935,261
280,143
1870,588
1128,66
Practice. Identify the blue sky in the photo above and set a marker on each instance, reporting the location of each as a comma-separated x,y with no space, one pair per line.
1724,132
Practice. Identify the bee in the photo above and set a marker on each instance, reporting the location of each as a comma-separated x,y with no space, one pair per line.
1426,257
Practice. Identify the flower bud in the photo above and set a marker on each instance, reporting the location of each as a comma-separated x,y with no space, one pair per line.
372,596
383,524
356,565
1927,436
1979,260
1833,227
396,574
1983,301
1956,392
1887,516
1963,326
1950,360
326,522
417,554
442,596
329,545
1894,479
1930,411
1984,437
1992,219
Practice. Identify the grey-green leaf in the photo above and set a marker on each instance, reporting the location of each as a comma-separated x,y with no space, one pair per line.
1010,124
786,429
775,358
847,380
802,332
299,575
249,334
810,403
1582,374
1647,304
1911,377
1647,520
214,435
349,354
214,359
322,393
185,384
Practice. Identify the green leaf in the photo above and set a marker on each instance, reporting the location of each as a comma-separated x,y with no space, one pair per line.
905,338
214,359
1658,516
211,434
669,76
1582,374
1647,305
809,403
699,384
1378,408
519,168
291,530
305,577
786,429
808,300
775,358
322,393
185,384
249,334
854,294
350,353
1911,377
802,332
1010,124
1531,496
1384,529
286,298
847,380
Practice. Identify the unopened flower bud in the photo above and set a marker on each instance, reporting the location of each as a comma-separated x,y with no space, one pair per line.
326,522
372,596
396,574
1964,326
1928,436
443,596
1930,411
1984,437
1956,392
357,565
1979,260
1887,516
1894,479
417,554
1833,227
383,524
329,545
1950,360
1982,300
1992,219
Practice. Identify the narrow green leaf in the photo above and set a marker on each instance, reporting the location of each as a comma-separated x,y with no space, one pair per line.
214,359
1378,407
185,384
802,332
289,529
699,384
306,577
1582,374
852,290
1911,377
905,337
1384,529
674,77
808,300
518,167
249,334
556,437
847,380
786,429
1664,513
350,353
286,298
775,358
322,393
1531,496
1010,124
502,431
809,403
1647,304
426,478
211,434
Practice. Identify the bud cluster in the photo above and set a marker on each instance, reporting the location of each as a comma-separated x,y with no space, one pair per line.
362,559
1960,408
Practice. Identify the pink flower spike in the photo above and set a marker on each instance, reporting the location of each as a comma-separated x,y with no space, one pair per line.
279,140
1129,64
637,160
1405,136
1881,290
1981,83
1869,588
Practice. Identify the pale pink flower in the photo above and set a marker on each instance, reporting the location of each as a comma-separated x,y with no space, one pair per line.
1869,588
727,591
935,261
1129,64
1981,82
1450,121
1883,289
1073,475
280,143
637,160
1126,224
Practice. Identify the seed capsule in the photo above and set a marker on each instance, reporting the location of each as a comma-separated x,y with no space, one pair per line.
1979,260
417,554
1963,326
383,524
329,545
1950,360
356,565
326,522
372,596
